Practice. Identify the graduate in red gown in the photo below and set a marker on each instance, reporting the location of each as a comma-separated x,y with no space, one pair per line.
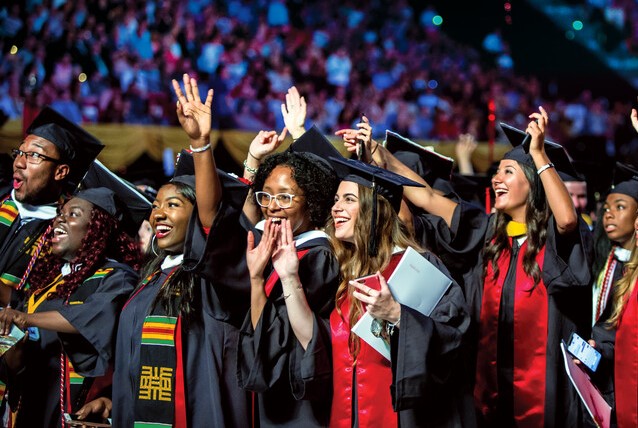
528,284
415,387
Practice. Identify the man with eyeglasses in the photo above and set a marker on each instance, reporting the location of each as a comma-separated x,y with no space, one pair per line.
50,162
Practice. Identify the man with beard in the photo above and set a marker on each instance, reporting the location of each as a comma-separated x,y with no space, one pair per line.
50,162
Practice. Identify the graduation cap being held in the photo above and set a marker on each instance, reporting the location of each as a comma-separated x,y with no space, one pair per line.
382,182
116,196
433,167
625,180
520,153
77,147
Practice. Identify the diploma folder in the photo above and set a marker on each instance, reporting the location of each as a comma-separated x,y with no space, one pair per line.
415,283
593,400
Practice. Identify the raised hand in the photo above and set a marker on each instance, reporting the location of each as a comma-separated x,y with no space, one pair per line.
284,258
294,113
359,140
193,115
536,128
265,143
258,257
380,303
634,118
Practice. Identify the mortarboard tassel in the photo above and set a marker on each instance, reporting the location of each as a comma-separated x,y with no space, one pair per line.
372,245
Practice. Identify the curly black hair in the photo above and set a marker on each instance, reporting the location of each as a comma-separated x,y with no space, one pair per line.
312,174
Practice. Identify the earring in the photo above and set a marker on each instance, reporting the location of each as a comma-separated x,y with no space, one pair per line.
153,246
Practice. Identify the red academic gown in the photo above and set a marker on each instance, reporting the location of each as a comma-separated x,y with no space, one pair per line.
418,387
626,364
520,375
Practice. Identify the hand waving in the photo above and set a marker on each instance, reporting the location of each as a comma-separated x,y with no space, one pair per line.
193,115
294,113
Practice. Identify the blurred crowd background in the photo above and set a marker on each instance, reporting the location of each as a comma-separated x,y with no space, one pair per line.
111,61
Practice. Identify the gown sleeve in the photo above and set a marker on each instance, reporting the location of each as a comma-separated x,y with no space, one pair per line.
95,318
220,256
266,352
424,348
605,339
567,275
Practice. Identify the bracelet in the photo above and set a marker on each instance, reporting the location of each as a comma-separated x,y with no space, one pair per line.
199,149
249,169
544,167
253,156
389,327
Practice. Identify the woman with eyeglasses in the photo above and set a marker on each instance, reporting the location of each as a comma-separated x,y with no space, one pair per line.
412,387
296,188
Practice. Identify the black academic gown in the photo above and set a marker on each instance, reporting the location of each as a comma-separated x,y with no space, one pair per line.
209,336
93,310
566,277
603,378
266,353
16,244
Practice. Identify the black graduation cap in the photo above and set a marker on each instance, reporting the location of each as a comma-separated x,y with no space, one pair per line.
625,180
77,147
520,141
234,191
116,196
313,141
185,169
430,165
315,146
473,188
383,182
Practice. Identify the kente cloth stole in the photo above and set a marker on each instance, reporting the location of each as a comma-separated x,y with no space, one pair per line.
8,214
529,370
160,399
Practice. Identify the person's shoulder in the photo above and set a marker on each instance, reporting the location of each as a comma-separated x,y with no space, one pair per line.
110,267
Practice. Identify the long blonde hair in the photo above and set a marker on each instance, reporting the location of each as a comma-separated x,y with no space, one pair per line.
354,261
623,289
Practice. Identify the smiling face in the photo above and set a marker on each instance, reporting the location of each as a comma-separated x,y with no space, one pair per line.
38,183
169,218
511,189
619,215
280,180
345,211
70,227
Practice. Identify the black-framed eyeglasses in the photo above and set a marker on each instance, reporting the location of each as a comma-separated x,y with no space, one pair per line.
32,157
283,200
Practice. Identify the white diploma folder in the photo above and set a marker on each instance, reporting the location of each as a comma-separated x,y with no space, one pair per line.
415,283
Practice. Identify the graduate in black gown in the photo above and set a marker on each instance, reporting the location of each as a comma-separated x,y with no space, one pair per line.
175,354
76,289
49,164
298,187
530,276
614,237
